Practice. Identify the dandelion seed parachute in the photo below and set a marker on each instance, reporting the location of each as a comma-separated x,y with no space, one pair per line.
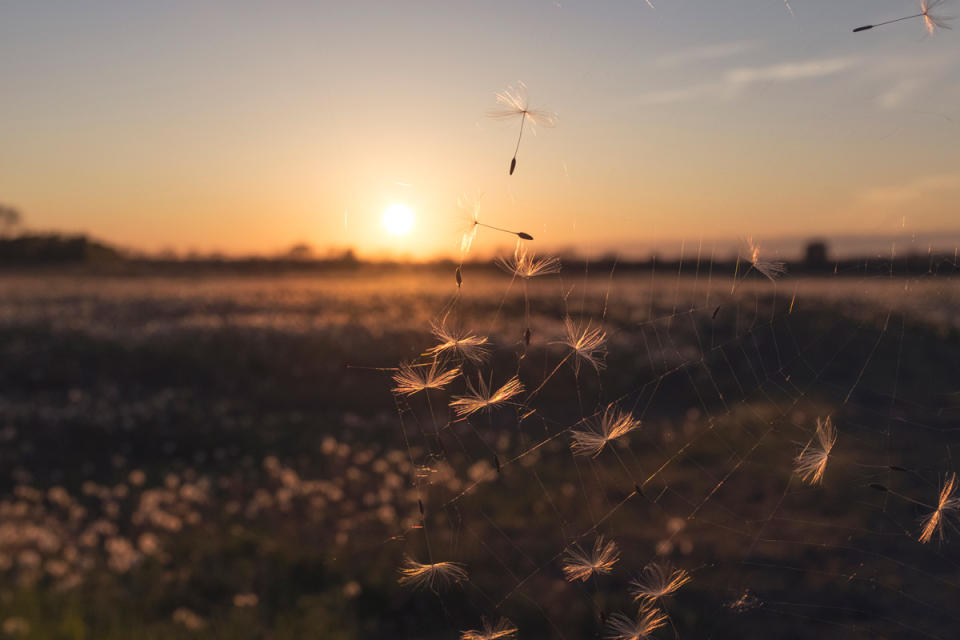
411,379
772,269
948,504
472,224
483,398
657,581
460,344
811,463
515,102
502,630
614,423
524,264
589,344
435,576
621,627
579,565
931,21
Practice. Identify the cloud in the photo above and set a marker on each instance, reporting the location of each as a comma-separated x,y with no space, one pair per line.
737,79
788,72
899,93
915,189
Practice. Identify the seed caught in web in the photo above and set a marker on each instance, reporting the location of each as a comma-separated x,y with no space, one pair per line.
622,627
580,565
614,423
656,581
811,463
458,343
948,505
502,630
483,398
435,576
412,379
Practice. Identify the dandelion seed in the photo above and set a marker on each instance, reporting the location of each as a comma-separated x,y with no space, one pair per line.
613,424
481,398
772,269
657,581
589,344
931,21
526,265
812,461
947,506
459,343
515,102
413,379
579,565
502,629
436,576
472,224
622,627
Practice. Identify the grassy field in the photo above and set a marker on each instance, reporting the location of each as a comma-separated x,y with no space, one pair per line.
224,458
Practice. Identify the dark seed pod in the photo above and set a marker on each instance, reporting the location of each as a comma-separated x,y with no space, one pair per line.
878,487
513,165
525,236
715,312
864,28
459,278
420,504
496,462
526,336
894,467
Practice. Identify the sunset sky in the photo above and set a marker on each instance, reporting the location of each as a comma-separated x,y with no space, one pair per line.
246,127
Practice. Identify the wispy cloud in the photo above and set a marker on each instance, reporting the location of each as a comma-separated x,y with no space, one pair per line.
788,72
911,190
900,93
735,80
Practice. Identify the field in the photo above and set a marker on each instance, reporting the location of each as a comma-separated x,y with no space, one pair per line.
223,457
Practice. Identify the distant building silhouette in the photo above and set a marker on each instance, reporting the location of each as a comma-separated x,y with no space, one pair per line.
816,256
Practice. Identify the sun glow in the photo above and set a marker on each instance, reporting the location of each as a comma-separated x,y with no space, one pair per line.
398,219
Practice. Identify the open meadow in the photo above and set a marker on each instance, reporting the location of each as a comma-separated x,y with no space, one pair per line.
225,457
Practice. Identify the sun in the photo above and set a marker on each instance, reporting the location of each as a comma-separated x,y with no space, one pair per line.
398,219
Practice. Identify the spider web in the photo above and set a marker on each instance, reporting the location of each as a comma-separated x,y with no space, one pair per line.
727,378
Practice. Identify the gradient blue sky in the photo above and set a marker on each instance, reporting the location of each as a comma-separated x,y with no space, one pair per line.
244,127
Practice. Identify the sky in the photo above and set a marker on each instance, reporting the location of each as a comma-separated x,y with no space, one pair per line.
244,127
